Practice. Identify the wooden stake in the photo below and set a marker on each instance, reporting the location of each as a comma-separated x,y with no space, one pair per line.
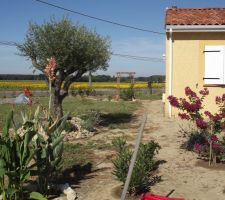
210,146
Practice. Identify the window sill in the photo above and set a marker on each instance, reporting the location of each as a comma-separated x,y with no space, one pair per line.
214,85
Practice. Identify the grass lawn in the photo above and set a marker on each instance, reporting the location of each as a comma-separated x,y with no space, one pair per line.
113,114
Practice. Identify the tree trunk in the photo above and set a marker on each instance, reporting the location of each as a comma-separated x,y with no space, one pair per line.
57,105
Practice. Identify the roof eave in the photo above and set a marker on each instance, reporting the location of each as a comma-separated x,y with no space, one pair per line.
196,28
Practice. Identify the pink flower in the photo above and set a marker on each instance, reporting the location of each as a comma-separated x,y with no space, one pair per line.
197,147
204,92
217,117
216,147
189,92
191,107
184,116
173,101
208,114
201,123
223,97
218,100
214,138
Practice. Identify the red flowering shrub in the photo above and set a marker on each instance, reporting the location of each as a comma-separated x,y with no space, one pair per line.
28,94
207,123
200,123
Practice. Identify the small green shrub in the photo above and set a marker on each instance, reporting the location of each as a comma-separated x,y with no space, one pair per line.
69,126
109,97
91,119
127,95
80,92
90,92
145,163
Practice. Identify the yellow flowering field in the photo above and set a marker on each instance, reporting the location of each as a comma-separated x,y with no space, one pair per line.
39,85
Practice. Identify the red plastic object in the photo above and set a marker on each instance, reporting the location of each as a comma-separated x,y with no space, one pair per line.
156,197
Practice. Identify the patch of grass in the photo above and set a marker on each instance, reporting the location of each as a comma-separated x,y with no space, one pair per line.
81,154
114,111
146,95
6,108
119,126
75,154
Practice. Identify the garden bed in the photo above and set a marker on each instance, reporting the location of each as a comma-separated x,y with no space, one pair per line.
88,167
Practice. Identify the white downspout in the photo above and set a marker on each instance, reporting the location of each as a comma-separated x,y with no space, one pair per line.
170,67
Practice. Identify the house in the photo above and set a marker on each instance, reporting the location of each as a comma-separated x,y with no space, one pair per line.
195,53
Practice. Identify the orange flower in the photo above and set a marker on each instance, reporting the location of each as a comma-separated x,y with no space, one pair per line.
50,68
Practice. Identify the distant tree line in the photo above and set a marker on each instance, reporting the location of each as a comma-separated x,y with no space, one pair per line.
21,77
85,78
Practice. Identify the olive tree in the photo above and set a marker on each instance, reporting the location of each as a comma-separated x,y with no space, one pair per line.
75,48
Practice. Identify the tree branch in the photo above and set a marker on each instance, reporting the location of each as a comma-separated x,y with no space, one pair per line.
69,81
36,65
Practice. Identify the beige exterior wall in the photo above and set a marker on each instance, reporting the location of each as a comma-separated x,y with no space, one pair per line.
188,66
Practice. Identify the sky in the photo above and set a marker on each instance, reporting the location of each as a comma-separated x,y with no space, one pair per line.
147,14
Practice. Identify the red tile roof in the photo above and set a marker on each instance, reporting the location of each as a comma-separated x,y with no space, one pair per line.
195,16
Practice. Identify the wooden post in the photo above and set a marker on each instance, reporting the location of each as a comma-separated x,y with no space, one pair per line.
210,146
118,83
150,86
90,80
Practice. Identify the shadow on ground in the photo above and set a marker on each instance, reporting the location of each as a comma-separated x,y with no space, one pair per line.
75,174
115,118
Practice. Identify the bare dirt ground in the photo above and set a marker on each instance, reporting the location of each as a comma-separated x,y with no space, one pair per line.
179,170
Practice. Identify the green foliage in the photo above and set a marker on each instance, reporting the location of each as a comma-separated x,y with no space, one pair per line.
91,119
76,49
128,94
90,92
144,165
37,196
16,152
74,46
69,126
49,154
38,143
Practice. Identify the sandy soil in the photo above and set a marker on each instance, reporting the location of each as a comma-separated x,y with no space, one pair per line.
179,170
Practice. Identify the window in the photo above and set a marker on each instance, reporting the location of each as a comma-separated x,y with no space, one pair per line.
214,65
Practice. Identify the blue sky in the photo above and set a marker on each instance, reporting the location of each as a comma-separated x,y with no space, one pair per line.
148,14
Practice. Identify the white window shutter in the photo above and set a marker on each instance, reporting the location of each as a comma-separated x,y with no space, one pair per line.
214,65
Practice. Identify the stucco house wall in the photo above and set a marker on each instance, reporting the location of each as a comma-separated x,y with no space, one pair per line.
188,57
188,65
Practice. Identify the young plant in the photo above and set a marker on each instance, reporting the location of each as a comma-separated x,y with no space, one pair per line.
91,119
142,173
128,95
